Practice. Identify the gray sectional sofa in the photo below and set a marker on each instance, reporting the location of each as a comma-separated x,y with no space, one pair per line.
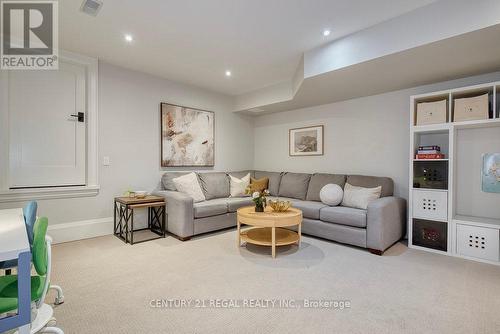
376,228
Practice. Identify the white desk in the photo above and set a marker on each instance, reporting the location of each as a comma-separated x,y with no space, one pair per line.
14,244
13,236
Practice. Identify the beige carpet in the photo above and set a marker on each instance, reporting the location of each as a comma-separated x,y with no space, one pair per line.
109,286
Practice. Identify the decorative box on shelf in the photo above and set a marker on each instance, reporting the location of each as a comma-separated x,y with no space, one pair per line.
478,242
430,234
471,108
430,204
432,112
430,174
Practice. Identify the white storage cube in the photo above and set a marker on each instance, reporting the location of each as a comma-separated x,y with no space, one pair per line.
478,242
430,205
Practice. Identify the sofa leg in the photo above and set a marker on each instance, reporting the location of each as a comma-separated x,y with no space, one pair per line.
184,238
376,251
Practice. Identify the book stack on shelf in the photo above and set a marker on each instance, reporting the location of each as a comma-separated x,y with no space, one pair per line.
429,153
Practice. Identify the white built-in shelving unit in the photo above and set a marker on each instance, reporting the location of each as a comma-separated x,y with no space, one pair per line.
472,237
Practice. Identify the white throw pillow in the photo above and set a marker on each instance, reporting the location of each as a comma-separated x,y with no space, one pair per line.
189,185
359,197
237,186
331,194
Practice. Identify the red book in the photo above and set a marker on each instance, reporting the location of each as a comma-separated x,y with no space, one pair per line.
429,156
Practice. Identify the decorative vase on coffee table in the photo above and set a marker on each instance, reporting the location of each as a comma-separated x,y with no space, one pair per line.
259,208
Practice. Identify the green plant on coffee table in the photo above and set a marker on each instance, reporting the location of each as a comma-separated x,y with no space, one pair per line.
259,198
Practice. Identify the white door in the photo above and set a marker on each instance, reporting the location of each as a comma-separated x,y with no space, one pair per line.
46,143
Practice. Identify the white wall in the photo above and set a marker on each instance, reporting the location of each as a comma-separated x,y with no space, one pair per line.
129,133
368,135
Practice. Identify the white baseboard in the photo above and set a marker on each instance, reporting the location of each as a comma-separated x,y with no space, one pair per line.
81,230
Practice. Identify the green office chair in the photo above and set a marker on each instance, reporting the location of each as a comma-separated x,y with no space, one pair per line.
42,259
29,212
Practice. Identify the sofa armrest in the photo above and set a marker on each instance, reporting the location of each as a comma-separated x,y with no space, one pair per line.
180,212
159,187
385,223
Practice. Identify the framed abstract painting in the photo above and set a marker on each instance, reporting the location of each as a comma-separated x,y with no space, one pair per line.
491,173
187,137
306,141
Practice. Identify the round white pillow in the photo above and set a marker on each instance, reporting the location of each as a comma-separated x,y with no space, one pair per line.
331,194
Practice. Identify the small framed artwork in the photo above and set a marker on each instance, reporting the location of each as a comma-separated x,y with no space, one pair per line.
306,141
187,137
491,173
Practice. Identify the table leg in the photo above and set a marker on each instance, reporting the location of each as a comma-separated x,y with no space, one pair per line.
149,217
132,226
120,222
114,218
24,286
163,217
273,242
238,238
124,226
300,233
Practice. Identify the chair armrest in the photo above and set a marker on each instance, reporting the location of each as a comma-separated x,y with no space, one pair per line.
385,223
180,212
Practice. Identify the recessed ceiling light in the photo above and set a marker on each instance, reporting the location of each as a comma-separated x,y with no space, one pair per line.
129,38
228,73
326,32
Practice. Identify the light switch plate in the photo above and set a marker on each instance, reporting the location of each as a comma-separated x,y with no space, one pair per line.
106,161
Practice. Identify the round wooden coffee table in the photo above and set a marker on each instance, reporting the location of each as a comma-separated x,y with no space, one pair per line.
269,226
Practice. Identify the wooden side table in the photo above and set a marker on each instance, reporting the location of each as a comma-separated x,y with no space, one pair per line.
124,211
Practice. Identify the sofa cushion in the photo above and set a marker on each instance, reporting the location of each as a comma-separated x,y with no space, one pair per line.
319,180
343,215
294,185
310,209
275,198
371,182
213,207
167,180
233,204
274,181
214,184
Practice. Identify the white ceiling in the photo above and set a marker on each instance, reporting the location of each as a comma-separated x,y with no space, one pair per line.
473,53
195,41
